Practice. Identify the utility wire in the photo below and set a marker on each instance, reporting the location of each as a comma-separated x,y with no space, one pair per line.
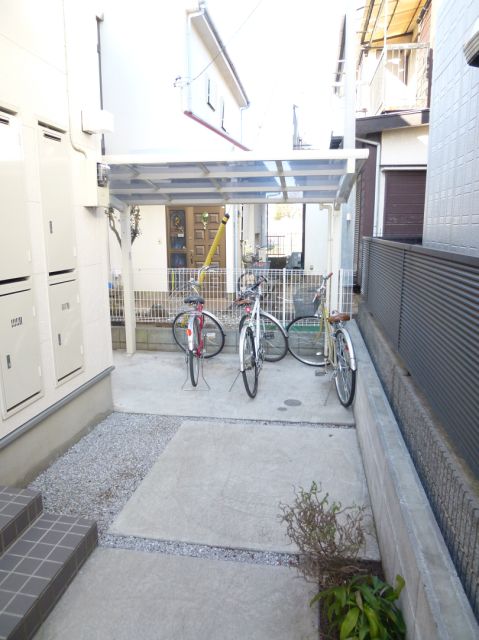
223,47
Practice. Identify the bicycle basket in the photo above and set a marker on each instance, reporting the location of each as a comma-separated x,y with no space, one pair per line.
305,302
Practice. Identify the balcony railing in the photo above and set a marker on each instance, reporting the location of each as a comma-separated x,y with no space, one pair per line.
400,81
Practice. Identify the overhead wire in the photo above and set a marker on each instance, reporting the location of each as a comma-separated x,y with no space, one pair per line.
223,47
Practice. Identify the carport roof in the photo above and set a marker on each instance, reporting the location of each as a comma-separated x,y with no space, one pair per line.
239,178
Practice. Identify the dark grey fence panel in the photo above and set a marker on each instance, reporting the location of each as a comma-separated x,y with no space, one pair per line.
439,341
384,287
434,297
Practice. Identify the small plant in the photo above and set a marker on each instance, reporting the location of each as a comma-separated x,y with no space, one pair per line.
364,609
328,536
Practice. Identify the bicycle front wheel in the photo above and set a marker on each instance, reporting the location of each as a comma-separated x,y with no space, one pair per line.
306,340
345,375
193,351
249,368
213,333
274,340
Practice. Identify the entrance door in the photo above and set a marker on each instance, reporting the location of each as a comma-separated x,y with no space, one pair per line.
191,231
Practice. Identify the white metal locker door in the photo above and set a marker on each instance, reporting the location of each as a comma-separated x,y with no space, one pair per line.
57,199
19,349
14,243
66,328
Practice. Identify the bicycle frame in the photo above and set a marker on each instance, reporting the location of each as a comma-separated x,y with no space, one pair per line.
254,322
330,330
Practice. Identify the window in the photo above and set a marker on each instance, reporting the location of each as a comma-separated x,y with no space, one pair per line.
211,93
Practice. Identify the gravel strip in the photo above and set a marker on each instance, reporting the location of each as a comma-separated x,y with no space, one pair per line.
197,550
96,477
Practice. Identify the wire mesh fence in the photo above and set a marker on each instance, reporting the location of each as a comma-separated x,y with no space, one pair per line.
287,293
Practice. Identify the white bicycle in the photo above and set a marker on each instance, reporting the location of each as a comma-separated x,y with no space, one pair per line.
261,337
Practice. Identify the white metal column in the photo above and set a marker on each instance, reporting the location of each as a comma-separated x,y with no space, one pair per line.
127,278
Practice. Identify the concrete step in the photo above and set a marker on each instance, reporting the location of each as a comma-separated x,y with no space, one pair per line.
37,567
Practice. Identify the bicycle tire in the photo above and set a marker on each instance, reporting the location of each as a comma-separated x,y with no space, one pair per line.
345,376
249,369
306,339
274,337
193,354
213,333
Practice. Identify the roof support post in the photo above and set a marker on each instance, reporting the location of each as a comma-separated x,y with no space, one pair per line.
127,278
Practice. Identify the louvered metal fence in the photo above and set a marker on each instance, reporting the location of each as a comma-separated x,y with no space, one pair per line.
427,303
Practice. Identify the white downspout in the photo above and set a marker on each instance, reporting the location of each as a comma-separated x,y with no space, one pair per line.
376,182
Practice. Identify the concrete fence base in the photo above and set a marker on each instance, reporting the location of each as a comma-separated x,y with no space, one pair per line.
433,602
151,338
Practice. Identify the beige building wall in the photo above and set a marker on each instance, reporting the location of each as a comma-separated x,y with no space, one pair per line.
49,71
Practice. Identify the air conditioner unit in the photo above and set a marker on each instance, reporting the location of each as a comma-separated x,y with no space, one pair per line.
471,47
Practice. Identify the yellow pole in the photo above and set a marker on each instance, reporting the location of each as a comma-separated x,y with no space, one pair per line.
214,246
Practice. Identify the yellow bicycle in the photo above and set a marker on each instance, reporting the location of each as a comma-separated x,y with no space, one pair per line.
321,340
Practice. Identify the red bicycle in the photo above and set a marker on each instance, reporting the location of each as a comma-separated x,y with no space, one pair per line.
198,332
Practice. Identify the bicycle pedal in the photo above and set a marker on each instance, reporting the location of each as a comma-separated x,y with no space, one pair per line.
320,372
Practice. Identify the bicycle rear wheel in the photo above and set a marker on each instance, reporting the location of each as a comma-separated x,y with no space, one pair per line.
274,340
345,376
193,352
213,333
306,340
249,369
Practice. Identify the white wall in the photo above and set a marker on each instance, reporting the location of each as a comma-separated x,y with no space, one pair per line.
33,68
316,239
149,250
406,146
452,191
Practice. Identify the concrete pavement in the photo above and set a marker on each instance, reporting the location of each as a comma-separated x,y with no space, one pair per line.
219,482
156,382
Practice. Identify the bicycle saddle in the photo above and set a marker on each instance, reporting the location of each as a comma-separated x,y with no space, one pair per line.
243,301
336,316
194,300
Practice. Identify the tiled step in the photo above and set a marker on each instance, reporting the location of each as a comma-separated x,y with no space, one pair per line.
18,509
37,568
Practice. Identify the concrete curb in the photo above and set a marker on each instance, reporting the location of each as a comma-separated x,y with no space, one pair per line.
433,602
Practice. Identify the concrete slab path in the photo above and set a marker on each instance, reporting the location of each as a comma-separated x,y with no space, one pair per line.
121,595
221,484
151,382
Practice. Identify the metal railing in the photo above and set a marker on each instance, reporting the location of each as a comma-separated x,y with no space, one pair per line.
400,80
427,303
159,293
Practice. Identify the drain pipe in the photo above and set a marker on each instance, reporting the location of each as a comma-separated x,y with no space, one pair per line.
70,133
376,182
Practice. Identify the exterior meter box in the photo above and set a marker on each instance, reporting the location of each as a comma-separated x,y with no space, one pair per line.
20,364
66,328
57,199
14,243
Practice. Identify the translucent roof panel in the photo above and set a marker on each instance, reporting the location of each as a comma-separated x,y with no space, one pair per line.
244,177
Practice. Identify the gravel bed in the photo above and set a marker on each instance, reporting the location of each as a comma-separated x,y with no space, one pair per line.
96,477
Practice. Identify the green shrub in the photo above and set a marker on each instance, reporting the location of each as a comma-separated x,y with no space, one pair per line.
364,609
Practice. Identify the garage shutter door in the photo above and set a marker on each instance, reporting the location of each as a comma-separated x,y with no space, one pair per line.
404,204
